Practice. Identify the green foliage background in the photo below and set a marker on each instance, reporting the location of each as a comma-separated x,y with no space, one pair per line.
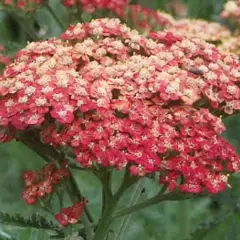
209,218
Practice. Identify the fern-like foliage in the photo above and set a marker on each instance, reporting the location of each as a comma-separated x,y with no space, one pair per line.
35,221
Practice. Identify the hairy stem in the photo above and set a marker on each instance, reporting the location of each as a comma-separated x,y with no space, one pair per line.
171,196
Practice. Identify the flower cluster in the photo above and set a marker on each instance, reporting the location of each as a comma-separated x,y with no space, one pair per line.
70,215
114,97
232,10
196,28
41,183
146,19
116,6
22,4
4,60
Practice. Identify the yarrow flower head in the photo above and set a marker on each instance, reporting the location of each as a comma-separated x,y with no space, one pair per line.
115,98
146,19
196,28
232,10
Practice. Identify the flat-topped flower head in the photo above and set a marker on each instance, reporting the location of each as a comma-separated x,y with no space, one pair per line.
232,10
114,97
145,19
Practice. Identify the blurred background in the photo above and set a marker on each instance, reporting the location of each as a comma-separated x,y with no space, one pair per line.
207,218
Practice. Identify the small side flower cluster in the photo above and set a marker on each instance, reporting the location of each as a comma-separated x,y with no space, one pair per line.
70,215
116,6
113,97
232,10
41,183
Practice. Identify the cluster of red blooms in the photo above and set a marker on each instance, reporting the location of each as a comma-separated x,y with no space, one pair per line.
4,60
147,20
232,10
117,6
41,183
22,4
116,98
70,215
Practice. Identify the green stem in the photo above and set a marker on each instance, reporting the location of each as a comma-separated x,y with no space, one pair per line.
171,196
35,148
112,200
78,193
55,17
105,176
135,197
87,226
105,221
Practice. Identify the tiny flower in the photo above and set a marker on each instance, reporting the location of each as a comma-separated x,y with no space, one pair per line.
71,215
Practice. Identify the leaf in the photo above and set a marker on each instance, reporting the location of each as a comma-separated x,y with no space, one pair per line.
35,221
